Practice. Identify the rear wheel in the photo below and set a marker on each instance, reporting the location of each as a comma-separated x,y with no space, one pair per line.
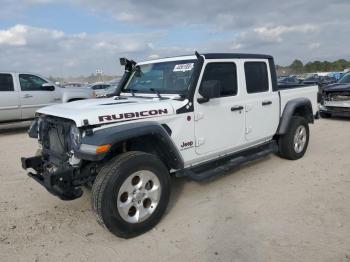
293,144
131,193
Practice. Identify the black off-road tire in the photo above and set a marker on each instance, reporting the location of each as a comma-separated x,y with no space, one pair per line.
286,141
108,182
325,115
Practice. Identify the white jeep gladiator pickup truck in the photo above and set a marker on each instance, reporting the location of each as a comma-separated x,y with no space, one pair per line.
194,116
22,94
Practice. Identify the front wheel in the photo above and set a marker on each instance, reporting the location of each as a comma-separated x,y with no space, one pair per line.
131,193
294,143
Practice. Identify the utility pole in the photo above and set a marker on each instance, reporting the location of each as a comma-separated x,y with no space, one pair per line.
99,73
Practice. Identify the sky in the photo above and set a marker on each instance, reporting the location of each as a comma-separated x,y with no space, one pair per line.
76,37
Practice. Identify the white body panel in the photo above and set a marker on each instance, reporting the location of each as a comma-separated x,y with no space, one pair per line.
31,101
93,109
309,92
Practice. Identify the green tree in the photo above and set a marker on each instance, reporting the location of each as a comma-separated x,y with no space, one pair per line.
297,66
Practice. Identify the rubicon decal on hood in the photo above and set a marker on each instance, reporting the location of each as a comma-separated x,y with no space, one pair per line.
132,115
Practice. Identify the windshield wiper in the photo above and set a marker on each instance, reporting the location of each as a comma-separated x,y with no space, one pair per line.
156,91
132,91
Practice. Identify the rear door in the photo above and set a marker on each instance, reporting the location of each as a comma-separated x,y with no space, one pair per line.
34,96
9,99
262,103
219,123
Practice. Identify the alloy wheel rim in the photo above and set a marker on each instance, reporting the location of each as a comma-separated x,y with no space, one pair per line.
138,196
300,139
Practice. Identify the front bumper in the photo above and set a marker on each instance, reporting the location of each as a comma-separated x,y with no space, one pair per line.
334,110
59,183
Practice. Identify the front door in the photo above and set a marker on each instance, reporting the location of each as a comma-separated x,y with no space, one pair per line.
34,96
219,123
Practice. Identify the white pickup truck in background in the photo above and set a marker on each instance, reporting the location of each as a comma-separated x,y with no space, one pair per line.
22,94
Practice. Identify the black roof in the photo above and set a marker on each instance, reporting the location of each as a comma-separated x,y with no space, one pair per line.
235,56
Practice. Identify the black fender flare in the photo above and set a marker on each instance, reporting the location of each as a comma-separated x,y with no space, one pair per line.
290,110
115,134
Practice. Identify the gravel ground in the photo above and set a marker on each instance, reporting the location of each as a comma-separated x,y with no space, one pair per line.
270,210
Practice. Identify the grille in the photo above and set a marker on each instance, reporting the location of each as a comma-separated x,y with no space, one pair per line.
341,96
338,109
53,134
56,140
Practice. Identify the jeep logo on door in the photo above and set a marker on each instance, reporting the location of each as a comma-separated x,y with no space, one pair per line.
132,115
186,145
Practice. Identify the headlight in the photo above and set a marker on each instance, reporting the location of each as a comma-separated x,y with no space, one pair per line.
34,129
75,136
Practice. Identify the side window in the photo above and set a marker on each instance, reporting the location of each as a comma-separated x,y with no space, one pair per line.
6,83
226,76
31,82
256,77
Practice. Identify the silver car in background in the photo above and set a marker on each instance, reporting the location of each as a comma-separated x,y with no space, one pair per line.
103,89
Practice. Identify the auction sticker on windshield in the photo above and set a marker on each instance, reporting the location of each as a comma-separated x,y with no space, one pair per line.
183,67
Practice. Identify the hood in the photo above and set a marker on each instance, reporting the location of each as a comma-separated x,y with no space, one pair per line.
337,88
110,110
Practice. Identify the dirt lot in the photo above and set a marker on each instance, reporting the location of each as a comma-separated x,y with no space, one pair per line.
272,210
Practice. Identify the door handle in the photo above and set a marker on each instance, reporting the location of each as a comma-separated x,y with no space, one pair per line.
266,103
27,96
237,108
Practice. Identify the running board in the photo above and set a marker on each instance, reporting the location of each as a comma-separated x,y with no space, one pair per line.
223,165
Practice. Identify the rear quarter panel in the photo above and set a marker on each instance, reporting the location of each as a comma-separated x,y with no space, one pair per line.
309,92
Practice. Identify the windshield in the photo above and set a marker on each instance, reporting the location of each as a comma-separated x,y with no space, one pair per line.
165,77
345,79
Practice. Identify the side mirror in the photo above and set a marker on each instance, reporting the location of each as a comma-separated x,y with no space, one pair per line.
48,87
209,89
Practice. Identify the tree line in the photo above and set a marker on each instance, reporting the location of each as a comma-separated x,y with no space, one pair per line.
297,67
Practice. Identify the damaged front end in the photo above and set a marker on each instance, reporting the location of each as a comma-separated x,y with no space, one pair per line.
336,102
57,182
56,167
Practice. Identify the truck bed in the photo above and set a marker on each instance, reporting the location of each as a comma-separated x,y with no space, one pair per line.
300,91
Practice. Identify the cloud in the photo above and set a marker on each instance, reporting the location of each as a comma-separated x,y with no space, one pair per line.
22,35
303,29
275,33
13,36
11,8
314,46
226,14
48,51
